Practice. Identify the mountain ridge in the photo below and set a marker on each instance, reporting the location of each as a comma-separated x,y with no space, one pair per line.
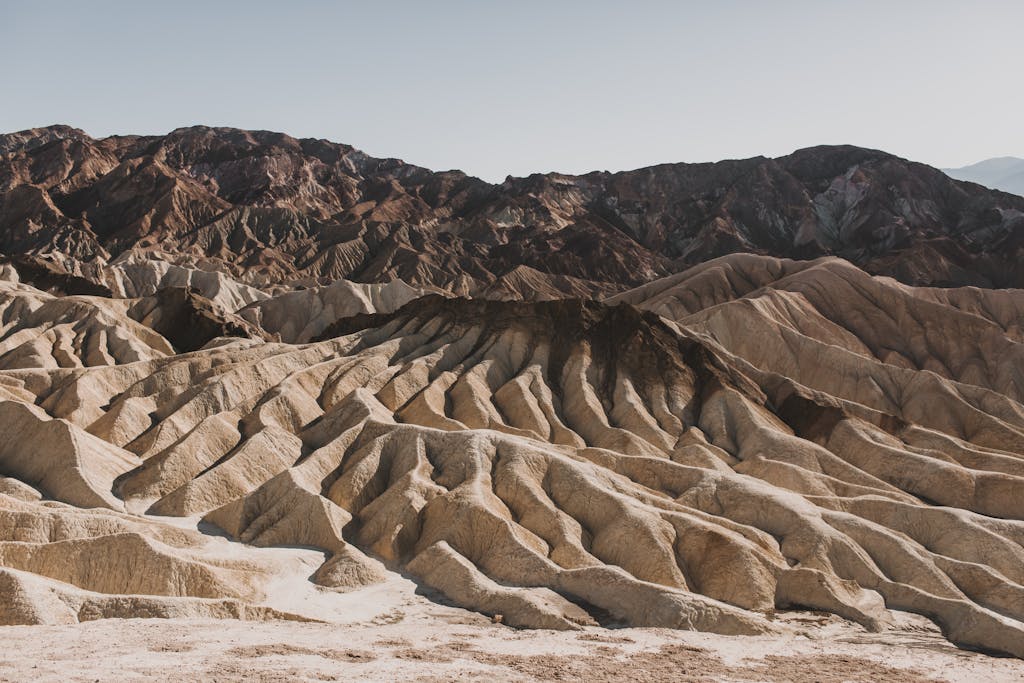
275,210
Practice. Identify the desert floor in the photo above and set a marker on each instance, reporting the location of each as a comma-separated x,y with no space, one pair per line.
391,633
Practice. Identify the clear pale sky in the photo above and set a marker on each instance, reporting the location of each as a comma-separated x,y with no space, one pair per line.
498,88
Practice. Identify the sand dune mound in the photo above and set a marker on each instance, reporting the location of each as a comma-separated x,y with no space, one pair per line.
748,444
62,564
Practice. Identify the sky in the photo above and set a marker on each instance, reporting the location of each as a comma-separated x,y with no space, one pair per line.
512,88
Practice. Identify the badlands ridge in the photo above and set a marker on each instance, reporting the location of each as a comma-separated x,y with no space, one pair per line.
748,436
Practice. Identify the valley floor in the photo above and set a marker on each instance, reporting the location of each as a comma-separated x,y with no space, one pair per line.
409,638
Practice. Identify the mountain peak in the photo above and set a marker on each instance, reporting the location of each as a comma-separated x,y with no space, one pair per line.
36,137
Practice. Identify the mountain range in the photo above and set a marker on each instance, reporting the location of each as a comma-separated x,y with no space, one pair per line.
1001,173
272,210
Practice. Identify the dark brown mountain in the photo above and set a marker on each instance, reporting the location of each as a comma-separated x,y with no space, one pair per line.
270,209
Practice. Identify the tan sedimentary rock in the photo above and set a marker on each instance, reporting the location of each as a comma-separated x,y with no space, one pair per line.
39,330
768,435
31,599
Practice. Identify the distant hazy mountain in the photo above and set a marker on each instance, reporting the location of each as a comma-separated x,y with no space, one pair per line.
1002,173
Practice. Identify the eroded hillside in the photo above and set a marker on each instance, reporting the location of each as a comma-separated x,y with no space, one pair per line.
748,436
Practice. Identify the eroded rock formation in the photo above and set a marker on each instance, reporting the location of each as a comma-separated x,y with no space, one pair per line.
750,435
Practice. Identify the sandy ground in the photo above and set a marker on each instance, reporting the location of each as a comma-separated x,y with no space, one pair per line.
389,633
